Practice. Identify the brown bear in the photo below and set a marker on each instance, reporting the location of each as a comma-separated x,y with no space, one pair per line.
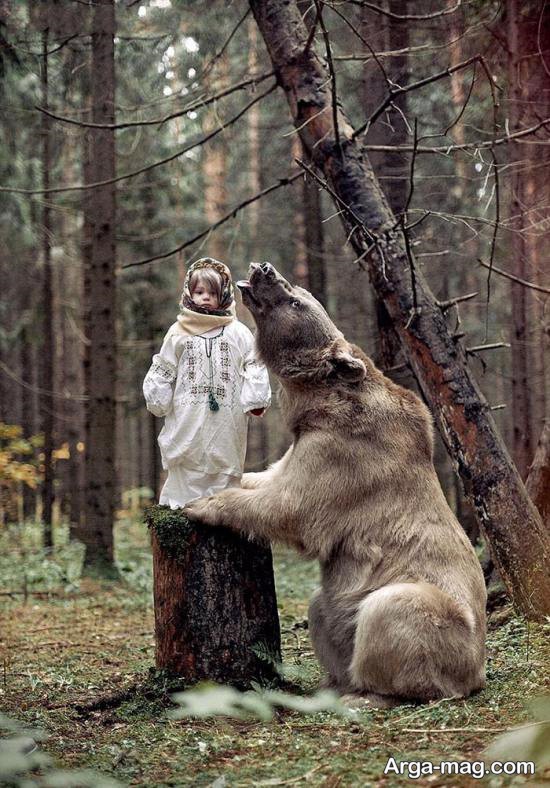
400,615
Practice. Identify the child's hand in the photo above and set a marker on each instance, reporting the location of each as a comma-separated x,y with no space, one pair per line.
258,411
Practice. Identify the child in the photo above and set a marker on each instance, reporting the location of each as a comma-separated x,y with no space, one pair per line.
204,381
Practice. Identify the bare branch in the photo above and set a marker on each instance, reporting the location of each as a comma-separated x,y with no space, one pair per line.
402,223
230,215
491,346
444,305
394,92
466,102
312,30
486,145
516,279
347,208
493,239
208,68
413,50
405,17
199,104
202,141
365,42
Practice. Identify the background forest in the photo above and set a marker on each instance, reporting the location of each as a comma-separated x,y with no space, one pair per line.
140,135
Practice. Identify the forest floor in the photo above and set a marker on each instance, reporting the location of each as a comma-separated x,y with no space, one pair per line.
62,650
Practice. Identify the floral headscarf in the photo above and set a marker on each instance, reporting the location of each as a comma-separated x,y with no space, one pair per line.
227,296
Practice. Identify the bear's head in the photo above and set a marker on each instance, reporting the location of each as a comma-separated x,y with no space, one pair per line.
296,338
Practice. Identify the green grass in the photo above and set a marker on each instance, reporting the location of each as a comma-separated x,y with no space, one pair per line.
91,638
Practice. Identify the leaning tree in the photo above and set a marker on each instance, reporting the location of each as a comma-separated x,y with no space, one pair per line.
517,538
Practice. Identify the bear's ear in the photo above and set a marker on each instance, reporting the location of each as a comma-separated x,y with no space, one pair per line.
346,366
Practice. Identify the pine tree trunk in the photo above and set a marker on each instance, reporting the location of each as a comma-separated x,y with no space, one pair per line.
215,607
258,439
521,299
215,170
519,543
538,481
529,100
70,366
48,360
101,294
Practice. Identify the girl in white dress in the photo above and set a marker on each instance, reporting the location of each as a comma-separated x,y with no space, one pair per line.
205,381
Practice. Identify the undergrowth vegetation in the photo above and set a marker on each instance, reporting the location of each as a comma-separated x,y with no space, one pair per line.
77,657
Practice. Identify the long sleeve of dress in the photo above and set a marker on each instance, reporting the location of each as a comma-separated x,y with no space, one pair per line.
158,386
255,391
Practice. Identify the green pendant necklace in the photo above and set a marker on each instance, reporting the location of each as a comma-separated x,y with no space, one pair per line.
213,403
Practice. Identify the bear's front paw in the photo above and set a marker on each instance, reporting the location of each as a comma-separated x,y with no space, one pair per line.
204,510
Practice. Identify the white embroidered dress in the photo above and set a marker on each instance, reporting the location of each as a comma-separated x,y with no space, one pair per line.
204,450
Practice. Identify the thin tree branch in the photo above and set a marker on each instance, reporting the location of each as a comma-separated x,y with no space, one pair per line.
446,149
403,218
38,389
466,102
493,239
444,305
63,43
490,346
208,68
347,208
312,30
202,141
405,17
199,104
516,279
230,215
365,42
412,50
394,92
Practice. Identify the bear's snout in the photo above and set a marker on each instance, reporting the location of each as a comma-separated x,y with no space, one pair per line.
261,270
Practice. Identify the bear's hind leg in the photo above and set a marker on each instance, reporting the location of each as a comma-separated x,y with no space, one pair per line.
333,660
415,642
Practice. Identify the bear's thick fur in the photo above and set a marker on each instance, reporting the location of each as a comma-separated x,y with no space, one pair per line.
400,614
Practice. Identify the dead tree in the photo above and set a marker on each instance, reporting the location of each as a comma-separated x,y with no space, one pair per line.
215,607
519,543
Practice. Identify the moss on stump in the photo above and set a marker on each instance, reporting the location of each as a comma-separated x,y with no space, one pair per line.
215,606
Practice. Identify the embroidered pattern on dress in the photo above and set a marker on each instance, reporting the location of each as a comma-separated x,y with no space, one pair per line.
163,370
224,361
193,384
200,388
191,364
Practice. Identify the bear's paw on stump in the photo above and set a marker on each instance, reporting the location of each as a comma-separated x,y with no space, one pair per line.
215,606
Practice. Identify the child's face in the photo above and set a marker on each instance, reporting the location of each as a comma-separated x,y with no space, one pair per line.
203,296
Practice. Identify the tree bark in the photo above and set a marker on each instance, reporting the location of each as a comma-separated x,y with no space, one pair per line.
519,544
48,359
538,481
258,440
521,298
215,170
101,293
528,41
215,606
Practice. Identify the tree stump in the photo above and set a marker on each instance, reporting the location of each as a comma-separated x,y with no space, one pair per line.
215,607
